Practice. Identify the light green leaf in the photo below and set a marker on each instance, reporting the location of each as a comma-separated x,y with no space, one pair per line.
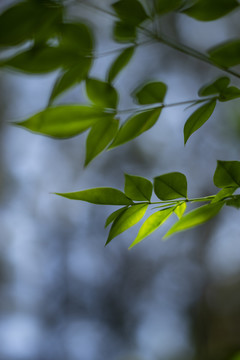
235,202
198,118
120,62
114,215
165,6
130,11
135,126
216,87
227,174
124,32
138,188
77,37
152,224
170,186
151,93
226,54
64,121
99,137
180,209
99,196
127,219
209,10
101,93
195,217
223,193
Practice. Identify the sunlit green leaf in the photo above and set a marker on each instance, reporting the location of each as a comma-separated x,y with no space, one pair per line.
227,174
165,6
101,93
63,121
180,209
195,217
114,215
120,62
198,118
124,32
135,126
226,54
138,188
208,10
216,87
127,219
235,201
130,11
151,93
99,196
152,224
224,193
99,137
170,186
78,37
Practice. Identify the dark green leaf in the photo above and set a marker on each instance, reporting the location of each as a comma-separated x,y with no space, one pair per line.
230,93
114,215
130,11
235,202
208,10
152,224
127,219
135,126
170,186
120,62
198,118
99,137
216,87
195,217
223,194
101,93
124,32
151,93
226,54
99,196
180,209
76,37
165,6
138,188
64,121
227,174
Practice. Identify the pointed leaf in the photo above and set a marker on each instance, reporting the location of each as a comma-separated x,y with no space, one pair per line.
64,121
100,196
120,62
151,93
223,193
170,186
180,209
216,87
195,217
135,126
138,188
198,118
99,137
130,11
101,93
235,202
209,10
152,223
124,32
114,215
226,54
227,174
127,219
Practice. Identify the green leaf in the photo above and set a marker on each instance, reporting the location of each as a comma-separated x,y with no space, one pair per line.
64,121
152,223
135,126
209,10
101,93
198,118
138,188
99,137
180,209
151,93
71,77
120,62
226,54
216,87
77,37
223,194
235,202
165,6
170,186
124,32
227,174
130,11
114,215
195,217
230,93
99,196
126,219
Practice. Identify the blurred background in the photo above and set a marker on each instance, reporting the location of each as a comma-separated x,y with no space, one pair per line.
64,295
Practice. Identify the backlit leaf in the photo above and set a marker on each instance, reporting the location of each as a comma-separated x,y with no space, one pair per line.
170,186
198,118
223,193
226,54
124,32
127,219
208,10
151,93
120,62
130,11
227,174
114,215
101,93
180,209
138,188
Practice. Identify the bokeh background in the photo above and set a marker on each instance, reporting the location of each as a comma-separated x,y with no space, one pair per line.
65,296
